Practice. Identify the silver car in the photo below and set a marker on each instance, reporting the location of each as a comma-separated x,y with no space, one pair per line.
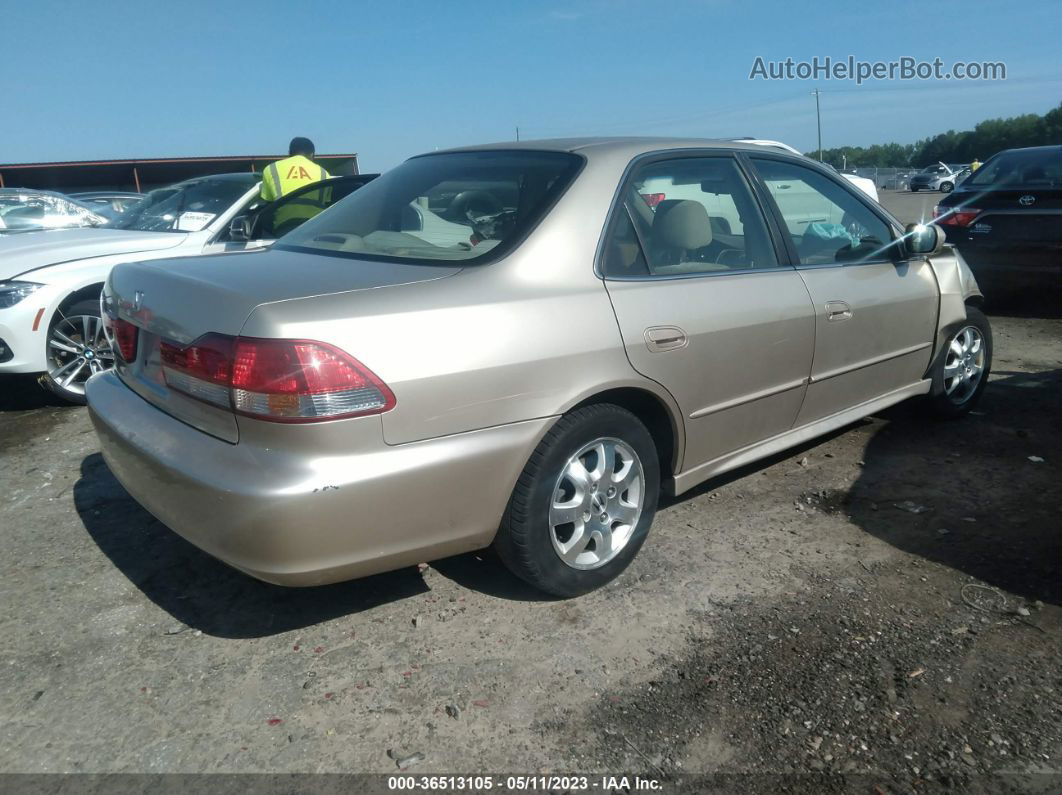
940,177
521,345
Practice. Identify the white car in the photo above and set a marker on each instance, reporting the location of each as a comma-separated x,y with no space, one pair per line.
50,281
863,183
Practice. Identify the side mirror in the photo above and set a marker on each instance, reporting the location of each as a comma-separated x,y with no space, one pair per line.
923,239
240,228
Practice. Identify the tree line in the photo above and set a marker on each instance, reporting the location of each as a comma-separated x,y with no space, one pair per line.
983,141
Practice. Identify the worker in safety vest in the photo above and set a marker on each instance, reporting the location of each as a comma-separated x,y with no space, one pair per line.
284,176
291,173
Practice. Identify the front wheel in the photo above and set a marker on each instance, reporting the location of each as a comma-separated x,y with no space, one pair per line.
947,187
583,504
77,348
960,374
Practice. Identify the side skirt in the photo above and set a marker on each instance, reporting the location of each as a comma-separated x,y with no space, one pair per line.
684,481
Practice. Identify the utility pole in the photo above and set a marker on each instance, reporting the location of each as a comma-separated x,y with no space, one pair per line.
517,132
818,120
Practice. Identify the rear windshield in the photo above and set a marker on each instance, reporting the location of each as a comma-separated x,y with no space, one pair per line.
1029,169
457,206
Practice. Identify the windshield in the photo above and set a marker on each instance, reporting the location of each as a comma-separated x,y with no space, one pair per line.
453,206
30,212
187,206
1031,168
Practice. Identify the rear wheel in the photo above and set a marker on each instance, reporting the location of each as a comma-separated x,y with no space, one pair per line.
961,372
584,503
77,348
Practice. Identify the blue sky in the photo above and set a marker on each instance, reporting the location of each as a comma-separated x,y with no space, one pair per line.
112,79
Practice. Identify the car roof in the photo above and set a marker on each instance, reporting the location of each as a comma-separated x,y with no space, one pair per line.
1045,149
632,146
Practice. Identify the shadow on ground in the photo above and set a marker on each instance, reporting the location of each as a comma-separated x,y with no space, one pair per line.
202,592
22,392
983,507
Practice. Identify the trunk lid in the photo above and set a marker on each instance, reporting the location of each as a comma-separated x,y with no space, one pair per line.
1014,217
180,301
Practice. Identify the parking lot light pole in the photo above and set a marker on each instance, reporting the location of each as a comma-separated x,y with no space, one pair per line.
818,121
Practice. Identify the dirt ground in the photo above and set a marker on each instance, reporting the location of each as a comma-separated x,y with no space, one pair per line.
884,604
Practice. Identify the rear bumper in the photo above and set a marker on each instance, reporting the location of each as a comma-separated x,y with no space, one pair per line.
297,519
1014,265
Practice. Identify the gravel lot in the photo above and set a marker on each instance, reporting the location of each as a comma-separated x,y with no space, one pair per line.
885,603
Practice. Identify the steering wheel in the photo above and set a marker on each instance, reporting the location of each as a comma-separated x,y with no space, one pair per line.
473,201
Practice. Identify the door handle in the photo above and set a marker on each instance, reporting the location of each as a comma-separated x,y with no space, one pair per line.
838,310
665,338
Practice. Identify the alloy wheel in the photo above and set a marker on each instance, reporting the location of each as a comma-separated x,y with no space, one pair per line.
964,364
596,503
77,348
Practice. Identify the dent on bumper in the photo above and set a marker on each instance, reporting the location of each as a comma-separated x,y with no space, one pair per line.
309,520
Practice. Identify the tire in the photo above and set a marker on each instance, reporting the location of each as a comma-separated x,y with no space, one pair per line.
947,187
70,365
914,190
533,534
950,398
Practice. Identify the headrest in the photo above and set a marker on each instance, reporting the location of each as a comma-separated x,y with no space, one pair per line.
681,223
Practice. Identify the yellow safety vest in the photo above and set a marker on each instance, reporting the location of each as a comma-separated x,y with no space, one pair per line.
284,176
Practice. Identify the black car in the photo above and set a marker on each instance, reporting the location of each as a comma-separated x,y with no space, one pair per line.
1006,220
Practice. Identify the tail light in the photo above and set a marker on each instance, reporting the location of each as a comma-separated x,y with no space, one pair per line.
959,216
653,199
125,335
279,380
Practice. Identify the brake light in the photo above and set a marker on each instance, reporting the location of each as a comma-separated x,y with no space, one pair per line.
279,380
653,199
125,335
959,216
201,370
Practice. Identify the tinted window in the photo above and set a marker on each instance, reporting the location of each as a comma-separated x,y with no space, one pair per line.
290,212
1031,168
825,221
692,215
453,206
